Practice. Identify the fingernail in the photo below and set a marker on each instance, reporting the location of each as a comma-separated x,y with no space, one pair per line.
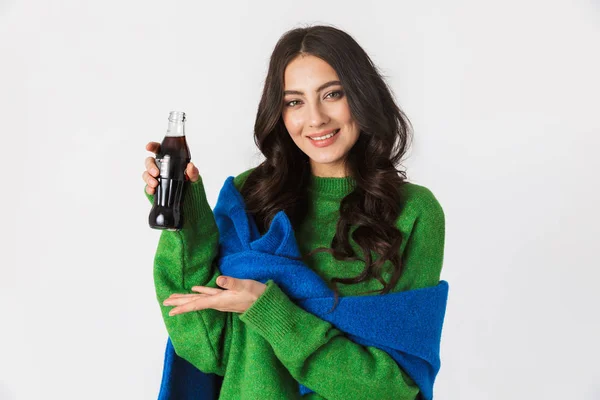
222,281
154,171
171,313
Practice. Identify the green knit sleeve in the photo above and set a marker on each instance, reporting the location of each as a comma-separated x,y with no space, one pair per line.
188,258
320,356
423,226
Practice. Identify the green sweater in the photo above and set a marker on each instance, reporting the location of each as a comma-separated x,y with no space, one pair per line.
264,352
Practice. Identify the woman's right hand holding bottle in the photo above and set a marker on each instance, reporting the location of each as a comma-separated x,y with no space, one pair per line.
151,173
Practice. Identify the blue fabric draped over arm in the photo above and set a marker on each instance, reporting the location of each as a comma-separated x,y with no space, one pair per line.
407,325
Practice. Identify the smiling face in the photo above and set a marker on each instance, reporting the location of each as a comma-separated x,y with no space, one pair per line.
315,108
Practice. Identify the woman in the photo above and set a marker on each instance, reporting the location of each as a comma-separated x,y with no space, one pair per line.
332,136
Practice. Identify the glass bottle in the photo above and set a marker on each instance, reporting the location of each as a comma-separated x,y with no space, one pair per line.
172,160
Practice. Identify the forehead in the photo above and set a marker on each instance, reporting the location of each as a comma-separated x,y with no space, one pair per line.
307,72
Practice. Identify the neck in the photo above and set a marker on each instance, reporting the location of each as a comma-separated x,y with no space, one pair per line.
334,170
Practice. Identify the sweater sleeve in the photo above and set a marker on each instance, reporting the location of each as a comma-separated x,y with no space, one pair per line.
188,258
321,357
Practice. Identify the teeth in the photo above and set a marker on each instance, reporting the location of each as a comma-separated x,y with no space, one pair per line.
326,136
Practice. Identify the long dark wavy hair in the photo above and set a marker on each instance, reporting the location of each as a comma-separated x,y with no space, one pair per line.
280,182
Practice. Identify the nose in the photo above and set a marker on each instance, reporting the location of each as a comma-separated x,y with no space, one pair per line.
317,116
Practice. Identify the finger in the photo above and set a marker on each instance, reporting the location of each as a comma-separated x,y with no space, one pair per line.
229,283
192,172
150,181
178,301
151,166
195,305
153,147
206,290
180,295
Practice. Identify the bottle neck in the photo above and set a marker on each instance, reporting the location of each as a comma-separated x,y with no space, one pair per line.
176,129
176,126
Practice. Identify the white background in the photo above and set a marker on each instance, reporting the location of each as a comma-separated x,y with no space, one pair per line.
504,99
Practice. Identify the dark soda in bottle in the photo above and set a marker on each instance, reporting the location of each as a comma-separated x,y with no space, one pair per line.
172,159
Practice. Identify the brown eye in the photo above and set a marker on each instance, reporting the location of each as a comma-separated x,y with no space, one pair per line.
334,95
292,103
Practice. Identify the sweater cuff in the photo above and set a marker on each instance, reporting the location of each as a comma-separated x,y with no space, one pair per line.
273,315
195,204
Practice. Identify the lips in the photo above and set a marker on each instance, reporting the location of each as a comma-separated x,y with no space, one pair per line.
326,142
323,133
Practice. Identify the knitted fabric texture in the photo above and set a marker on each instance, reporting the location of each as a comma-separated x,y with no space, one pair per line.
407,325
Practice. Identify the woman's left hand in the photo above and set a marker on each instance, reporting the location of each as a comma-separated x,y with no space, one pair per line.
236,296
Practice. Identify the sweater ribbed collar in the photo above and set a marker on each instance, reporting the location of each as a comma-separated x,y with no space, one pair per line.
331,187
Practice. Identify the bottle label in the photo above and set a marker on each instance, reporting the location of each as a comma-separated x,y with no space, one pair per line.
164,166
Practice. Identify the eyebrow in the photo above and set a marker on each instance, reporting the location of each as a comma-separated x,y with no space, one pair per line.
323,86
